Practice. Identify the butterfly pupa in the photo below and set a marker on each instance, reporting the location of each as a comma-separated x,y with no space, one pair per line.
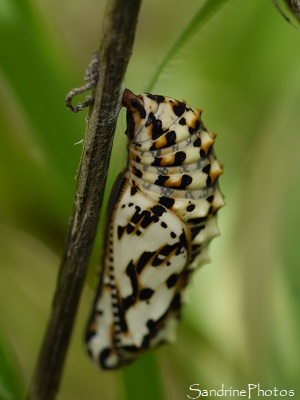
161,218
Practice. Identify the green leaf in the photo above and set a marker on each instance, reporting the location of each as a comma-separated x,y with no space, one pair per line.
11,385
199,19
137,378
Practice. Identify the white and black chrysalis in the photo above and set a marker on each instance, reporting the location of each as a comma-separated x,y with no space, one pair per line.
161,218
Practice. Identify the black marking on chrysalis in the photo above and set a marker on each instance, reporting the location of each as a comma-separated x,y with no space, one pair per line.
179,108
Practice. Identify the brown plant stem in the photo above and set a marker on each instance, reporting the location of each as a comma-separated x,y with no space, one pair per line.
116,46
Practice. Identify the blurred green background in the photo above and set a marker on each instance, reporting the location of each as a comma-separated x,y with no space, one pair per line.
242,321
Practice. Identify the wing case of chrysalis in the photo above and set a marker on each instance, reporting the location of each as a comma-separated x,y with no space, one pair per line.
161,217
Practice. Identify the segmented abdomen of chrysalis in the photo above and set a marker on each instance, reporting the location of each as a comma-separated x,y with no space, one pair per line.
161,217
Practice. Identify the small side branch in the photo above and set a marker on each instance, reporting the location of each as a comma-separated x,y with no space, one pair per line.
114,53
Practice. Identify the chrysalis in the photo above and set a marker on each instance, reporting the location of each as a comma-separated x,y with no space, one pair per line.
161,217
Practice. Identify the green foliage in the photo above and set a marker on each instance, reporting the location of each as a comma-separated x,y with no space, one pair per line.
242,67
197,21
137,376
10,381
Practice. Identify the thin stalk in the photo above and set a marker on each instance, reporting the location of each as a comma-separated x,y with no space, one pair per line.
114,53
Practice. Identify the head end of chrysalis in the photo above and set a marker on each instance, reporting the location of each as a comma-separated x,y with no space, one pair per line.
136,112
